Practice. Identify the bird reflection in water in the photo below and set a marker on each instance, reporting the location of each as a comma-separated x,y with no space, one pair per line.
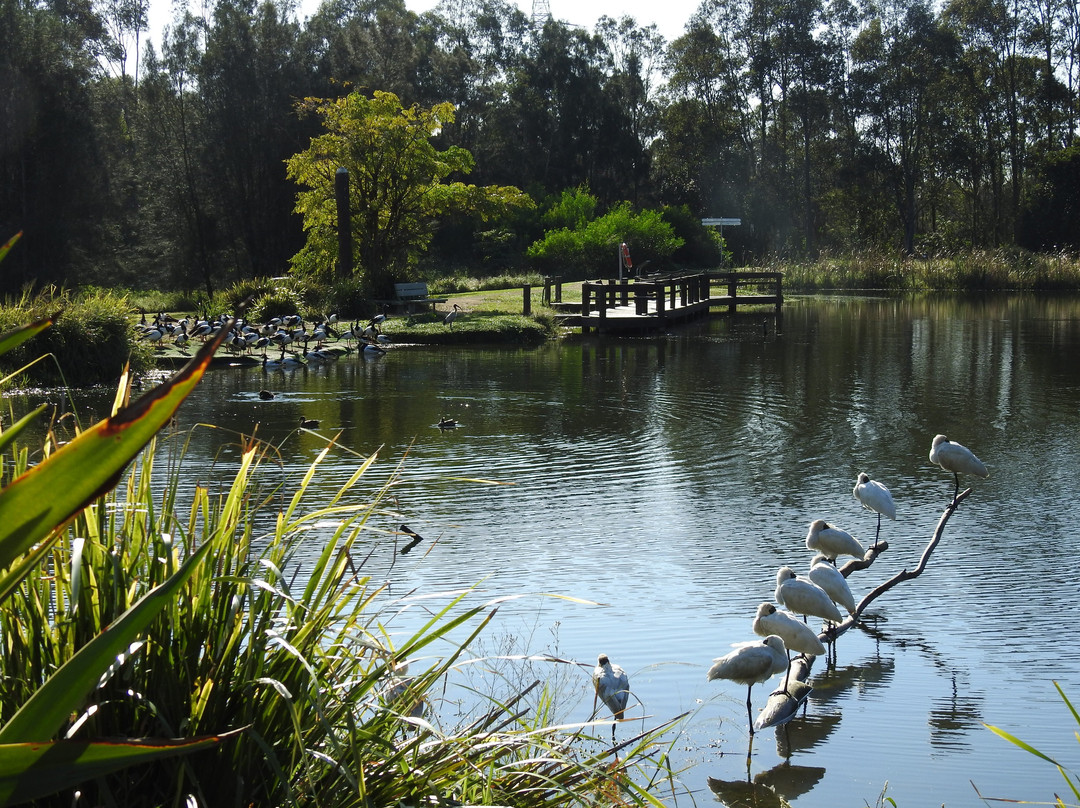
774,788
867,675
953,718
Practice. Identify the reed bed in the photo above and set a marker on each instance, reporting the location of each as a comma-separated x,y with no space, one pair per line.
979,270
292,654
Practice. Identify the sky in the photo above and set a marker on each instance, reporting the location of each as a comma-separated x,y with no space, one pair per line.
670,17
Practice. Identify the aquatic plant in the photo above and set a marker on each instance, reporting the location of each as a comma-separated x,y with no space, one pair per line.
1072,779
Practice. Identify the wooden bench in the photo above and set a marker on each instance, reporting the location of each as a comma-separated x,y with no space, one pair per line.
411,297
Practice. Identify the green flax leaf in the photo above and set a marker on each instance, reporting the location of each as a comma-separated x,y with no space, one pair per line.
17,336
55,490
45,712
29,771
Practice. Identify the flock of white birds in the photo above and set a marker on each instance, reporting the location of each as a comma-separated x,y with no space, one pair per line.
821,593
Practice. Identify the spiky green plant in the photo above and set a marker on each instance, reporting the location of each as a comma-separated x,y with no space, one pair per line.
291,652
1072,780
36,504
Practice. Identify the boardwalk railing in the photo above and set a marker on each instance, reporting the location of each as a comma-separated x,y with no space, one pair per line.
757,288
655,297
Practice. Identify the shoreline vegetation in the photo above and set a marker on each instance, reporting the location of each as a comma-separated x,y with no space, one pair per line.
97,330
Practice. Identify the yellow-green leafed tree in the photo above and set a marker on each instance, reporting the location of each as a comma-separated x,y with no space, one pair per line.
400,184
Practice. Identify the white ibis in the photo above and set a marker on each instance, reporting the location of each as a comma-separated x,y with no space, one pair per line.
797,636
831,541
957,459
874,497
750,664
612,686
452,315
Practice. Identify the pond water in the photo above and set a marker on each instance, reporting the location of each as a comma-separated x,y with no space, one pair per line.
665,480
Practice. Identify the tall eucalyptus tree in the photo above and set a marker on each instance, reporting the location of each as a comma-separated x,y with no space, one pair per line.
248,80
901,59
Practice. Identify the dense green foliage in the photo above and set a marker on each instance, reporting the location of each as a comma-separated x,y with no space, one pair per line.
89,343
398,187
845,127
593,246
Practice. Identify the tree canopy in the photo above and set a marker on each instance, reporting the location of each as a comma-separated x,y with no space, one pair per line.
825,125
399,184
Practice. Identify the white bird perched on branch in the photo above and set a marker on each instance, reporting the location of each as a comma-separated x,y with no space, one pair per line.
832,581
612,685
797,636
874,497
803,596
956,458
750,664
831,541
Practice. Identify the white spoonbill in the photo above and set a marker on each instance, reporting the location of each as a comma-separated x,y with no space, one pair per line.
831,541
874,497
803,596
612,686
751,663
956,458
832,581
797,636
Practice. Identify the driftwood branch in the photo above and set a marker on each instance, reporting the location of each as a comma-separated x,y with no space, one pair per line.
784,704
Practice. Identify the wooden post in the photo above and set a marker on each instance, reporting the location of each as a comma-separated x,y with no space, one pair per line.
344,220
558,290
526,300
732,286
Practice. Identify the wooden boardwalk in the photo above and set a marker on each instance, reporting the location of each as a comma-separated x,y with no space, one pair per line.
656,303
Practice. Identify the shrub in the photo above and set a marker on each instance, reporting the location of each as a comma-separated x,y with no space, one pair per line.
90,342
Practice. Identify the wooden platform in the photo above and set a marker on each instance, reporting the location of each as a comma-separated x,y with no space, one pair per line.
656,303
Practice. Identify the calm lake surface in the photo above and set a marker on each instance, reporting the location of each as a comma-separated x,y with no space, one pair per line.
665,479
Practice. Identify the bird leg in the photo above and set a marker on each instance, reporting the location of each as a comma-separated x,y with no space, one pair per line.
956,490
878,533
749,717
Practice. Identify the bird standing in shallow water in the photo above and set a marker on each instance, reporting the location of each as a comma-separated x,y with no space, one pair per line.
874,497
613,688
956,458
750,664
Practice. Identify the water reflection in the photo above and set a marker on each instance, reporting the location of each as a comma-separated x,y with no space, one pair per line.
776,787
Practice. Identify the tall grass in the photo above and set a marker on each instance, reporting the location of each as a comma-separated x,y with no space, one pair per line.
293,653
979,270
